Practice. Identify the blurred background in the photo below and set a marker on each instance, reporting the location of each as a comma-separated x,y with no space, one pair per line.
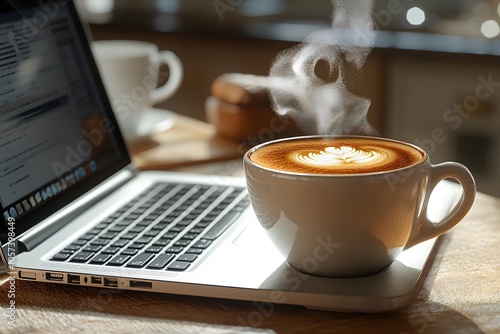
433,77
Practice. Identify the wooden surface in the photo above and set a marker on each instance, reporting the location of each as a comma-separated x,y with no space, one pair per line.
459,293
188,142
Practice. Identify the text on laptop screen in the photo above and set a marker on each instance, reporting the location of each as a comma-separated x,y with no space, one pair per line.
54,131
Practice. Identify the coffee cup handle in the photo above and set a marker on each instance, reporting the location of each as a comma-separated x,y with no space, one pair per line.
425,229
176,75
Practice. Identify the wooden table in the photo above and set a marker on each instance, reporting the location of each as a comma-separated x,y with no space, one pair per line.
459,293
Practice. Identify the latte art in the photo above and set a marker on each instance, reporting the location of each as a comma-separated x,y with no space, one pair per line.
340,155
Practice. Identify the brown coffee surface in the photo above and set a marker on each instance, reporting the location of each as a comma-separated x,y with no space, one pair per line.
342,155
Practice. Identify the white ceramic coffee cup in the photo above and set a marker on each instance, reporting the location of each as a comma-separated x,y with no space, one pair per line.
351,225
130,71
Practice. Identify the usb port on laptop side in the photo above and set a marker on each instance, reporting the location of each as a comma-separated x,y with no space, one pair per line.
141,285
96,280
54,277
111,282
73,279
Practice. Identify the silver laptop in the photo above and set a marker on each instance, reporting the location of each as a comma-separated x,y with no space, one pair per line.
76,211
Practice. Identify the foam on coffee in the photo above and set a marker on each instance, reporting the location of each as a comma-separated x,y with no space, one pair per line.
336,155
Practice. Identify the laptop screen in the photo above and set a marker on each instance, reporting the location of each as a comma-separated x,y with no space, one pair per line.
58,135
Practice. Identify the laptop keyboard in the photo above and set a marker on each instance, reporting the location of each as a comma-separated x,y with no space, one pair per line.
167,227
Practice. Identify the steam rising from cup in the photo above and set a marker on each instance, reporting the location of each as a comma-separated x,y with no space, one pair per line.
307,82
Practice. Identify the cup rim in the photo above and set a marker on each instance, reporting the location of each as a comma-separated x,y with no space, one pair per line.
140,48
247,160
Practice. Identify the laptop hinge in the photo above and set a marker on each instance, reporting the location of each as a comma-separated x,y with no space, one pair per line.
36,235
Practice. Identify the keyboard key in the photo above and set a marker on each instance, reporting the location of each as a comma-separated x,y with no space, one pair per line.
100,259
111,219
168,219
178,266
169,235
92,248
187,257
117,228
123,223
196,251
151,233
177,212
226,201
136,245
118,260
144,240
153,249
136,229
158,227
72,248
147,220
154,216
184,222
175,249
191,216
182,242
161,261
196,212
79,242
177,228
196,230
133,215
162,242
215,212
144,223
156,213
102,225
223,223
202,244
87,237
114,215
203,223
189,236
61,257
129,235
212,216
120,243
129,251
140,260
204,205
82,257
111,250
108,235
100,242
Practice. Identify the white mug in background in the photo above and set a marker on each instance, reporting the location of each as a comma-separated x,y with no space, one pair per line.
353,221
130,71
